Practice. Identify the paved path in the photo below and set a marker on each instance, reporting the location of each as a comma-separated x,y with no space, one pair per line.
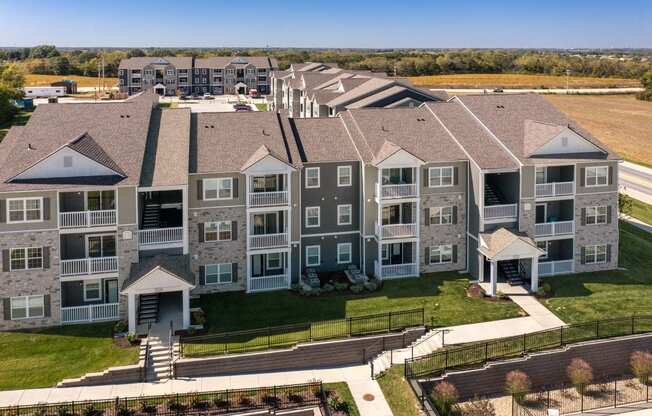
637,223
635,181
622,90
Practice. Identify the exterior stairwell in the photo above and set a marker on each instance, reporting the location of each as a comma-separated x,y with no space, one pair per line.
161,357
492,196
429,342
152,215
510,270
148,309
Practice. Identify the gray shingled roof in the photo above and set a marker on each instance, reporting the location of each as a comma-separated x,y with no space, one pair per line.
389,92
241,61
183,62
88,147
178,265
323,140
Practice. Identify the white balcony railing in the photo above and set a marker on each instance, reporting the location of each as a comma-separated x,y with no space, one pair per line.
408,190
554,228
551,268
265,283
395,271
396,230
268,240
90,313
555,189
494,212
87,218
263,199
89,265
156,236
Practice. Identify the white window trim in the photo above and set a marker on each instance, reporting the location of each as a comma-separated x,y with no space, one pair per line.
545,175
596,215
27,315
318,217
99,291
339,247
217,182
339,175
25,250
218,223
441,248
440,169
596,168
547,244
318,178
384,252
595,255
280,261
40,199
219,271
441,215
308,264
350,207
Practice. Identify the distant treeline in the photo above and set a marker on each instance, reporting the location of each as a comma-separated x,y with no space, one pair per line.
47,59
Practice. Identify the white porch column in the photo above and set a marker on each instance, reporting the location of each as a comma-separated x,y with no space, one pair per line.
184,212
481,267
185,321
534,286
494,278
131,306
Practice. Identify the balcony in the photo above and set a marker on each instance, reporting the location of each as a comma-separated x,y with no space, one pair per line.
89,266
262,241
552,189
556,228
90,313
396,271
408,190
265,199
396,230
82,219
551,268
266,283
156,237
507,212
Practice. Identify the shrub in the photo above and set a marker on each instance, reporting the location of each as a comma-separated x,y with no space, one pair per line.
123,410
271,400
149,409
340,287
221,403
444,395
295,398
90,410
63,411
579,373
246,401
544,290
641,364
518,384
175,406
119,327
132,337
478,408
371,286
338,405
200,404
328,288
296,287
356,288
199,317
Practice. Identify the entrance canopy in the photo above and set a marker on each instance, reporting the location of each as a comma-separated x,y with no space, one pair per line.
504,244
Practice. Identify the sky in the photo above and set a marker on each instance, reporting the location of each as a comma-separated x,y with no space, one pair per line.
328,24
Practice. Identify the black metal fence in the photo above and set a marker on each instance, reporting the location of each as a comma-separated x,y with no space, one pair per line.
290,335
477,354
209,403
567,399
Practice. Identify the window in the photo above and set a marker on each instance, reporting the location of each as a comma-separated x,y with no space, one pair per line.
441,254
313,215
92,290
543,245
219,273
170,71
218,231
312,178
26,258
313,255
344,253
596,215
595,254
440,177
441,215
274,261
597,176
221,188
541,175
344,176
344,214
384,251
230,71
24,210
23,307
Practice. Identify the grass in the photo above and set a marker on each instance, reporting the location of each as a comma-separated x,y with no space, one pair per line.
344,394
519,81
641,211
172,104
35,80
44,357
620,121
261,106
590,296
397,392
20,119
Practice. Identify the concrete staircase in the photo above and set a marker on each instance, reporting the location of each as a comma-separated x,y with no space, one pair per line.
426,344
159,361
148,306
511,272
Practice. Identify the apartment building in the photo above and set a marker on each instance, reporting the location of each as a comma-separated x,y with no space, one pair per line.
185,75
322,90
108,210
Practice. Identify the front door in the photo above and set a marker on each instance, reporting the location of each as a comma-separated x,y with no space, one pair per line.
111,291
541,213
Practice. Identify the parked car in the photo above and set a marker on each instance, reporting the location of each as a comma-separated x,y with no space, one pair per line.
499,89
207,96
253,93
183,97
241,107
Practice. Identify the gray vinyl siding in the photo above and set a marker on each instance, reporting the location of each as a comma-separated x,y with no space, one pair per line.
295,194
472,256
195,199
49,215
527,182
127,205
460,180
371,254
474,200
328,246
370,205
612,186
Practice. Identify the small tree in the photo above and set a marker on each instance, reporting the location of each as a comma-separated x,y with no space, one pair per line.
646,81
478,408
518,384
579,373
445,395
624,204
641,364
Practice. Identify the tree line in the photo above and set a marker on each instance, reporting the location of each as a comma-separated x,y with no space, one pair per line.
47,59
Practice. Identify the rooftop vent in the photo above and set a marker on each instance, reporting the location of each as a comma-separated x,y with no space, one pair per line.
383,128
265,133
30,147
500,106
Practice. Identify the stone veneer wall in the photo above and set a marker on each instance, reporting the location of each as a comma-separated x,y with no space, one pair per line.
32,282
219,251
527,217
596,234
127,254
434,235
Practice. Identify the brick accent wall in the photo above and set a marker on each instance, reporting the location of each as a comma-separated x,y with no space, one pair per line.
596,234
434,235
127,254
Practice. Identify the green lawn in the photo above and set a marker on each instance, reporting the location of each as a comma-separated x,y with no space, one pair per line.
19,119
261,107
397,392
641,211
589,296
344,395
44,357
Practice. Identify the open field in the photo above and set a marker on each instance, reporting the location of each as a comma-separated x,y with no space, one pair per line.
34,80
19,119
518,81
620,121
44,357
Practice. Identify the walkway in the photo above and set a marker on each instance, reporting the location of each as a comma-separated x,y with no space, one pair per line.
637,223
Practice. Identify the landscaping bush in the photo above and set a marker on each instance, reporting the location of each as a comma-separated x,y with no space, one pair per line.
341,286
295,287
444,395
221,403
132,338
295,398
271,400
371,286
478,408
199,404
641,364
544,290
119,327
356,288
246,401
518,384
579,373
63,411
90,410
199,317
327,288
123,410
149,409
175,406
335,404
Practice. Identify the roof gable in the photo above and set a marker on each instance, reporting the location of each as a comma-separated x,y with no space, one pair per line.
160,61
392,155
545,139
264,161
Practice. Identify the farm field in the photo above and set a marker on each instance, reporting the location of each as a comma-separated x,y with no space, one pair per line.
518,81
620,121
34,80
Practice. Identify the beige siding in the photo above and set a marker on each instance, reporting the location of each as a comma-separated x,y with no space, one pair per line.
527,181
193,195
46,224
460,180
611,187
127,205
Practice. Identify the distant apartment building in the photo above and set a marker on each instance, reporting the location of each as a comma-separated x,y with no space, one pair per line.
185,75
108,208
